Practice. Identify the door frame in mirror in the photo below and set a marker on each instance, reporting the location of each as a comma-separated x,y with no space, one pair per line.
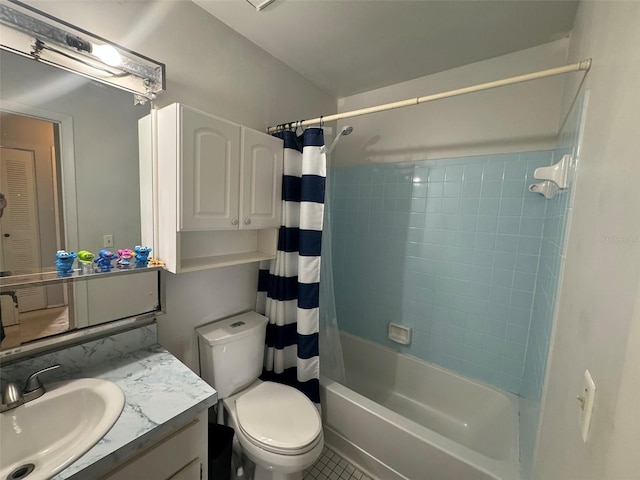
70,227
67,165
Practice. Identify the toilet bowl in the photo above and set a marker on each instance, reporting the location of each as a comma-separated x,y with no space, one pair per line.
278,427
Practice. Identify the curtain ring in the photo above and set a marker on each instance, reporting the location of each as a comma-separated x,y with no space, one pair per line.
321,121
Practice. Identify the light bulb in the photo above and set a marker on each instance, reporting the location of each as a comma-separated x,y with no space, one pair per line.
107,54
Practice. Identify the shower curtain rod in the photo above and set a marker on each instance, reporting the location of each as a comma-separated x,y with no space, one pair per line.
583,65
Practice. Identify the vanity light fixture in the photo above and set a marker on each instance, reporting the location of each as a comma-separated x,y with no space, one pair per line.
29,32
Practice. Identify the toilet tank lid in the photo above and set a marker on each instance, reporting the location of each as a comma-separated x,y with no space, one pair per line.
232,328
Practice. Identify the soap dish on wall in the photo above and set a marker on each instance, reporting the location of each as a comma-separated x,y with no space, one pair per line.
558,173
555,177
546,188
399,333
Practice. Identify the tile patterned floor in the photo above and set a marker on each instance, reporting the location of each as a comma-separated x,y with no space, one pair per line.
331,466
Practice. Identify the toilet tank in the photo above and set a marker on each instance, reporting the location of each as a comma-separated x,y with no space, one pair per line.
232,352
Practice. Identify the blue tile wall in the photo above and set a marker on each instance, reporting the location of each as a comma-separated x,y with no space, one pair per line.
451,248
547,281
546,286
542,316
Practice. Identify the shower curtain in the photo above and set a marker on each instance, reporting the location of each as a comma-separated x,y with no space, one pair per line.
289,286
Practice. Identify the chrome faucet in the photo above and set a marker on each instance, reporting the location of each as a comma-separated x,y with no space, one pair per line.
12,397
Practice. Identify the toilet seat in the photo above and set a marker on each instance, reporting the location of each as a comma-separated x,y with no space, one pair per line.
279,419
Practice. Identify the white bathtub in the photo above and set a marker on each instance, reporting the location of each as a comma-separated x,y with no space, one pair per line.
401,418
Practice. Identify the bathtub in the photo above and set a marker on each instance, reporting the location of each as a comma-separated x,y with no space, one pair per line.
404,419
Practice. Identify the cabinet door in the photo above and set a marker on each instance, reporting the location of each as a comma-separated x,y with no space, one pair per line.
107,300
210,172
261,187
190,472
178,456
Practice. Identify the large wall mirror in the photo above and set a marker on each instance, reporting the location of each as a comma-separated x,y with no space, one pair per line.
69,176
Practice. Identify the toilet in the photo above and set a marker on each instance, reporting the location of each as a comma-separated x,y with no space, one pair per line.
277,426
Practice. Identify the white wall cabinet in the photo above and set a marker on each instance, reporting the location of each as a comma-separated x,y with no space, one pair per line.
207,156
214,194
261,174
181,455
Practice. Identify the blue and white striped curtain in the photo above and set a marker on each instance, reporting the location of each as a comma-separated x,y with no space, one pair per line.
289,286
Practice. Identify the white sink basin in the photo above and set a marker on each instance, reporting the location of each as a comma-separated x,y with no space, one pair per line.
50,433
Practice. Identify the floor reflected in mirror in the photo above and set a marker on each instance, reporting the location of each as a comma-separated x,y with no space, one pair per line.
35,325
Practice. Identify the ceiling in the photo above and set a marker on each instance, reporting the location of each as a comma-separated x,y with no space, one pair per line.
351,46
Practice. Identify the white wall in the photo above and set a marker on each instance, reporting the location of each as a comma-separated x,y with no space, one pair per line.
210,67
598,318
510,119
621,460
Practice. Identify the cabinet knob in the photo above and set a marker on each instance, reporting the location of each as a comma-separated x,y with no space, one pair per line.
247,221
234,221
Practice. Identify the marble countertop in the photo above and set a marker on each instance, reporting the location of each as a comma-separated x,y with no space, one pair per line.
161,395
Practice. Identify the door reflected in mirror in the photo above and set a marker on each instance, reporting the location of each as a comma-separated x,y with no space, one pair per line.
31,227
31,222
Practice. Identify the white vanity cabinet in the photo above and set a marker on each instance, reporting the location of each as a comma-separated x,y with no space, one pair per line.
215,189
182,455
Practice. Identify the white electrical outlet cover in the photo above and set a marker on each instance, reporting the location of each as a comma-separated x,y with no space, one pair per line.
589,394
107,241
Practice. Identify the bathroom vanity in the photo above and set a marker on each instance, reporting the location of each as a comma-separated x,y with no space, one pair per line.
161,433
179,456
